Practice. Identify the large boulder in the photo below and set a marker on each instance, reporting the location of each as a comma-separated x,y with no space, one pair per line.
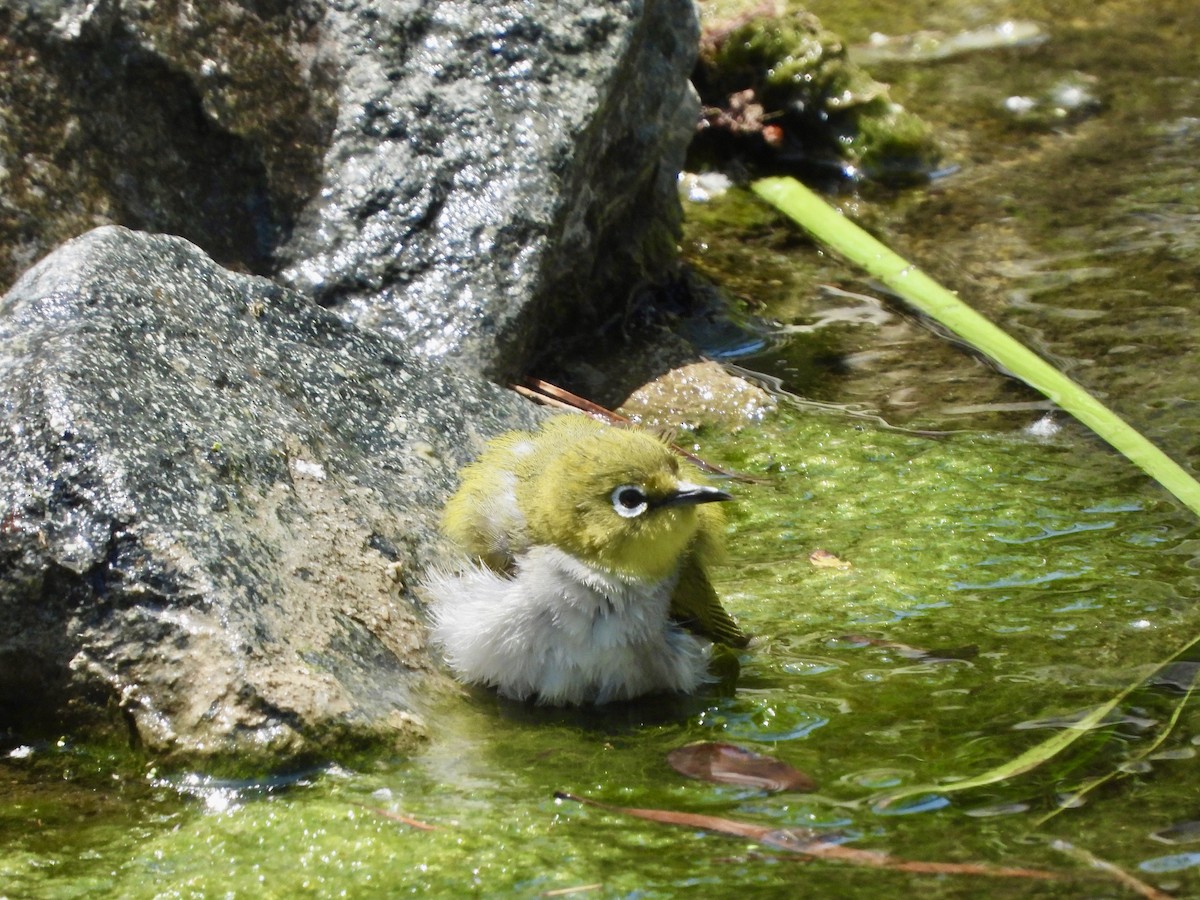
215,493
214,496
474,177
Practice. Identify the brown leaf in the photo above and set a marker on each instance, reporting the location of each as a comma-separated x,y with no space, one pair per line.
731,827
823,559
730,764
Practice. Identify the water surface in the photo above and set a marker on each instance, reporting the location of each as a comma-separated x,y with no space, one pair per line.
998,581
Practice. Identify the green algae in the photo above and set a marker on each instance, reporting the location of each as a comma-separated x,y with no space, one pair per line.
1042,564
1040,573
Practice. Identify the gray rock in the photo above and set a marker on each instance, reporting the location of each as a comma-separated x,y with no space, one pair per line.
481,179
203,120
214,497
531,149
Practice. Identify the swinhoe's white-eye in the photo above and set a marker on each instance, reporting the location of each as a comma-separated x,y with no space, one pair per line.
591,543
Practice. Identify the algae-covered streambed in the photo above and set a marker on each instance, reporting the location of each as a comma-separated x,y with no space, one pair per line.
997,581
1041,577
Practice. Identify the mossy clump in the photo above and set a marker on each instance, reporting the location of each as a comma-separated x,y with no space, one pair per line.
780,93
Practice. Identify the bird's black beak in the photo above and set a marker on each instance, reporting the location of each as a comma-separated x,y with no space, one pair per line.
691,494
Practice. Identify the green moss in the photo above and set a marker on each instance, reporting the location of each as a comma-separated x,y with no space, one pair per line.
890,141
825,106
784,56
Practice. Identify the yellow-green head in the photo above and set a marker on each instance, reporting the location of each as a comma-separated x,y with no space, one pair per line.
618,500
614,498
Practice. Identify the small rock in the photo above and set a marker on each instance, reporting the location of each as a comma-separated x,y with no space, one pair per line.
699,393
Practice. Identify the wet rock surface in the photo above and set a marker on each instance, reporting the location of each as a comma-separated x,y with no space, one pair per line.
217,488
215,494
207,121
531,149
476,178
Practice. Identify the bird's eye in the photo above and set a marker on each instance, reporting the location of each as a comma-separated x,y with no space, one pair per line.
629,501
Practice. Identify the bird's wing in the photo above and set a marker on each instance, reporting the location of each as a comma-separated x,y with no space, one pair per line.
483,517
696,607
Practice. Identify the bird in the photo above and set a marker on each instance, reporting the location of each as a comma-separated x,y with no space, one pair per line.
588,582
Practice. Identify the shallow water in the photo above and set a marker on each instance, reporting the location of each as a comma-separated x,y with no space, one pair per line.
996,585
1078,233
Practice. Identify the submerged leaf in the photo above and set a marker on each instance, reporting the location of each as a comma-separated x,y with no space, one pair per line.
399,817
731,764
749,830
1179,833
946,654
823,559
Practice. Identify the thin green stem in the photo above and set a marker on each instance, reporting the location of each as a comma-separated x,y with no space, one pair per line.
1076,799
832,228
1035,755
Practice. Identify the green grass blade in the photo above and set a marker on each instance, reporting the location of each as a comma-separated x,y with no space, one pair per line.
1034,756
1027,761
1077,797
836,231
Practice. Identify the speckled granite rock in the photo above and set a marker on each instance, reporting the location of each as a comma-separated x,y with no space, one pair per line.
214,494
529,148
476,178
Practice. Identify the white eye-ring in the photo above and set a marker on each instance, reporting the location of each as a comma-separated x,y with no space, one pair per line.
630,501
